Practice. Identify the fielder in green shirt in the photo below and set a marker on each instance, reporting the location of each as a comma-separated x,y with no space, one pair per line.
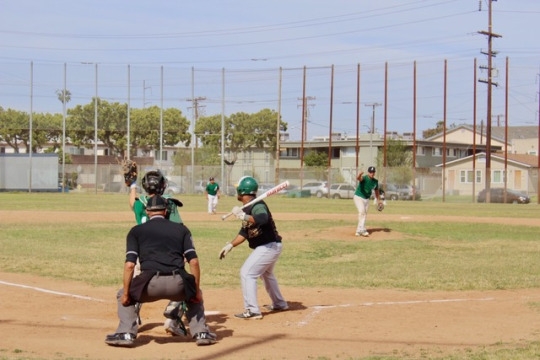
366,185
212,195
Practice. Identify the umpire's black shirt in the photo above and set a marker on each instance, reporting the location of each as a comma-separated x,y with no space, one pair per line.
160,245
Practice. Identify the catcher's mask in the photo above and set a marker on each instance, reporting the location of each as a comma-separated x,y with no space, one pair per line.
154,182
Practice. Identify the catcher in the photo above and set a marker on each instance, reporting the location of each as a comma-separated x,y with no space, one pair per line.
366,184
154,183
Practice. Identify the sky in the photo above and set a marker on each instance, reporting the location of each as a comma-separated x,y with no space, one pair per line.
417,60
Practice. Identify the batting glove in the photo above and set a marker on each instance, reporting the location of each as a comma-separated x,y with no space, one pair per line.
225,250
240,215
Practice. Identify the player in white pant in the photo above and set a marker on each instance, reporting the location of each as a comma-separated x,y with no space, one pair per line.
259,229
212,192
366,185
362,205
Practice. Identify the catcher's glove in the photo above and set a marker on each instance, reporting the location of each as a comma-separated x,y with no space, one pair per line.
380,206
129,168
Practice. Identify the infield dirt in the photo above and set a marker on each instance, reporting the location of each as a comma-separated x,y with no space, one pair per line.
44,318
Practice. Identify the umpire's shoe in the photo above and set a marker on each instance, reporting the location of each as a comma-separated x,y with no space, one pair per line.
205,338
120,339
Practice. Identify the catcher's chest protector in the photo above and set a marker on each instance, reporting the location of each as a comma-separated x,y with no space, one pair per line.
172,212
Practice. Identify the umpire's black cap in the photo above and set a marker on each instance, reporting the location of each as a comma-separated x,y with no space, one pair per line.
156,203
371,169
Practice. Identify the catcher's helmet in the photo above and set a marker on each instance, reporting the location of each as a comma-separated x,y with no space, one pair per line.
247,186
154,182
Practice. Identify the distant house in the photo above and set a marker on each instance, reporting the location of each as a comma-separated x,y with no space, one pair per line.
517,139
522,170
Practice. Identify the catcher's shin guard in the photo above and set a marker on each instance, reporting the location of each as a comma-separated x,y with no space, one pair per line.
175,310
138,311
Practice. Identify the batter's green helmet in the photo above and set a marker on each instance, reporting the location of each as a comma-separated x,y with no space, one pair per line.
247,186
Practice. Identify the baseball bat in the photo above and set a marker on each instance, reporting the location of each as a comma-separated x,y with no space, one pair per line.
268,193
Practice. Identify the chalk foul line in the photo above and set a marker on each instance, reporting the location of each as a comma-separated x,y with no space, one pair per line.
51,291
318,308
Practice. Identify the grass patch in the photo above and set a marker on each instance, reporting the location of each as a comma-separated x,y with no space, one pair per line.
414,255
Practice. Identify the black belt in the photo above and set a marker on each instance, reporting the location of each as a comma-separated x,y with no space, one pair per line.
168,273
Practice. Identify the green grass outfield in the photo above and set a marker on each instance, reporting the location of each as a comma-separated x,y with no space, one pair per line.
415,255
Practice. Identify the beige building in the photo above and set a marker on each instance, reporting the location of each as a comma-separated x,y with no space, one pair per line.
519,139
461,175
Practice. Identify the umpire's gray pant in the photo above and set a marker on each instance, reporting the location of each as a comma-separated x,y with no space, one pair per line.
170,287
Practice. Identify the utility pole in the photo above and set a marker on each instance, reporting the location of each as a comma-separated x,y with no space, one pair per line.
498,117
490,55
305,109
372,129
195,105
144,93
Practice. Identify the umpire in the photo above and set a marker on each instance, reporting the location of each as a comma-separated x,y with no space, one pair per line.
161,246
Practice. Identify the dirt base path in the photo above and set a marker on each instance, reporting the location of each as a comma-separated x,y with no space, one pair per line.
44,318
50,319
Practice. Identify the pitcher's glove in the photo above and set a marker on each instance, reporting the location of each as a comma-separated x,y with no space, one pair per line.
129,168
380,206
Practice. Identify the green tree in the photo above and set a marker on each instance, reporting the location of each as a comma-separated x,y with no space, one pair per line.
63,96
145,128
80,125
316,159
397,153
398,160
14,126
46,130
111,124
243,132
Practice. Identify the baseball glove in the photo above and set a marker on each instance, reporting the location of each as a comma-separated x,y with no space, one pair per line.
380,206
129,168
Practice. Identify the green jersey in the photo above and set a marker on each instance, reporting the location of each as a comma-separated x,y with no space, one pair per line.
212,188
139,208
366,186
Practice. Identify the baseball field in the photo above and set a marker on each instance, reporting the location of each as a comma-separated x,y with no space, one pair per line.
432,281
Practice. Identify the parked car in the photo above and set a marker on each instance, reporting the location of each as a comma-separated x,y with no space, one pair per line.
264,188
113,187
391,192
173,188
401,192
341,191
317,188
408,192
230,190
199,187
497,196
288,189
